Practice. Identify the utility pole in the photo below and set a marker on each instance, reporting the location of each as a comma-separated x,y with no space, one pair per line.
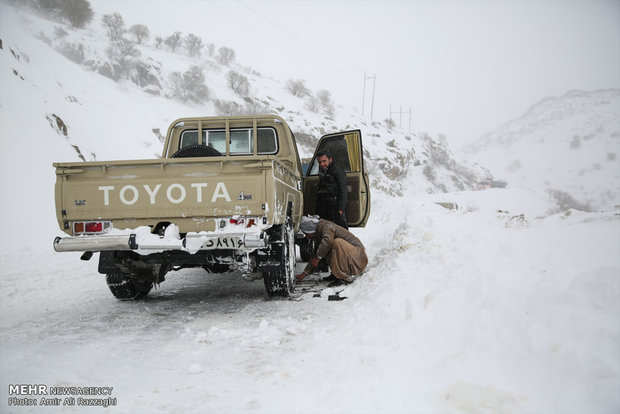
400,116
409,119
372,103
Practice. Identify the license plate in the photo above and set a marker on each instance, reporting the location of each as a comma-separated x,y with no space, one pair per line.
223,243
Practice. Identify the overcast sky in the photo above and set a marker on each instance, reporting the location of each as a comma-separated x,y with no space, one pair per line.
463,67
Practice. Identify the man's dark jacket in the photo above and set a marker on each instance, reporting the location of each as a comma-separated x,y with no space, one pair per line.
332,193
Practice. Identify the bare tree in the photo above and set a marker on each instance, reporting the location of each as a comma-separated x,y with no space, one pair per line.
114,24
227,108
210,49
77,12
122,51
225,55
190,86
313,104
238,83
193,44
297,87
173,41
321,103
141,32
325,97
565,201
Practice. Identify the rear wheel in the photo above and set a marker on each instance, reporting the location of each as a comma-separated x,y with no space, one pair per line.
124,287
306,249
281,280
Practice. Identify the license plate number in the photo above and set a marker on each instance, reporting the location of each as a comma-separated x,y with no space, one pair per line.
223,243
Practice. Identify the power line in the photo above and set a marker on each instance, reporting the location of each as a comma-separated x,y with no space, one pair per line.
299,39
248,27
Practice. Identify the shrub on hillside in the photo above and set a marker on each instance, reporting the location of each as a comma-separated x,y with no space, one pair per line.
230,108
114,25
429,173
140,32
173,41
325,97
190,86
193,44
73,52
121,52
254,108
225,55
321,103
227,108
565,201
297,87
78,13
389,123
238,83
210,49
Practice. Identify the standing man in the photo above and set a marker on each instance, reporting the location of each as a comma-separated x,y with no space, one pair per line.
344,252
332,191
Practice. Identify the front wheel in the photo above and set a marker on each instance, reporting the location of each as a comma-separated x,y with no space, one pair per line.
281,280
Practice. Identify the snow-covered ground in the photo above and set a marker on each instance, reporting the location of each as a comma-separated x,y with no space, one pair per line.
459,311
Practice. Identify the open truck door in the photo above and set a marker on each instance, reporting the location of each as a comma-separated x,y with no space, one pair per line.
347,151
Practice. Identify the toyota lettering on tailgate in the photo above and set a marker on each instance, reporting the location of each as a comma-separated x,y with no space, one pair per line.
175,193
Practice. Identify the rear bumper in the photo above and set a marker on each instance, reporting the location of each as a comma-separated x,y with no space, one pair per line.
92,243
192,242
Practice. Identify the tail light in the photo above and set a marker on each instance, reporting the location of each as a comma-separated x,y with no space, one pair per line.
91,227
246,221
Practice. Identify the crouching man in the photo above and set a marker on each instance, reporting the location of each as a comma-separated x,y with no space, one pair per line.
344,252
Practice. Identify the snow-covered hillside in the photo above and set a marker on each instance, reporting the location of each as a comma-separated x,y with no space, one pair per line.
493,307
74,111
569,144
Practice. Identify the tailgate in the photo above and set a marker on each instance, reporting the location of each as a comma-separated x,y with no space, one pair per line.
187,192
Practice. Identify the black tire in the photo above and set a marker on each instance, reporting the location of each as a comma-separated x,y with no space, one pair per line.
124,287
196,151
281,282
306,249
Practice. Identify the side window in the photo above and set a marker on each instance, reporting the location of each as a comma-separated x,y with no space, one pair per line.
189,138
267,142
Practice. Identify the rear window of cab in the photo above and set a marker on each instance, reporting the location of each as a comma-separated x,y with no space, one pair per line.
241,141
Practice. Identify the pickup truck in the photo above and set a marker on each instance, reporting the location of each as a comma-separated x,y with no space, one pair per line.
227,195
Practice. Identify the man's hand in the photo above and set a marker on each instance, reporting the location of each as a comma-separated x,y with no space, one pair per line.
314,261
301,276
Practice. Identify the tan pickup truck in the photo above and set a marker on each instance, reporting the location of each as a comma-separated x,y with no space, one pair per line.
228,194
